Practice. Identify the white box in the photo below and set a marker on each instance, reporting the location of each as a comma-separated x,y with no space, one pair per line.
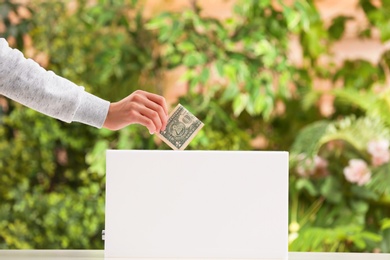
196,204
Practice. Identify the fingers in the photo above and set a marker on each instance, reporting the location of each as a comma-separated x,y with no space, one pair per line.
141,107
153,107
145,121
153,116
159,100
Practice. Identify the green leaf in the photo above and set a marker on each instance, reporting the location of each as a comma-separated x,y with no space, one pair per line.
331,190
385,245
239,103
359,243
219,67
259,104
385,223
380,181
385,31
293,18
307,185
365,192
230,71
194,82
204,75
94,158
194,59
308,140
336,30
371,236
186,46
269,107
165,34
158,22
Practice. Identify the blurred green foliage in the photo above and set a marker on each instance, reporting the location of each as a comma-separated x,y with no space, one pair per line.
15,30
241,83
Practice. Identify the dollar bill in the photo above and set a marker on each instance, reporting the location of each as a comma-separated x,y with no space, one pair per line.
181,128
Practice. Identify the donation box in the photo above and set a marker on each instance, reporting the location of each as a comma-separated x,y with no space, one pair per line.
196,204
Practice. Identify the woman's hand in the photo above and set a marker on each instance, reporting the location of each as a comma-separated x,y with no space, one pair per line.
141,107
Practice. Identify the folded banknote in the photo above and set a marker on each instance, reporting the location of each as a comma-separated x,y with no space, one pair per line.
181,128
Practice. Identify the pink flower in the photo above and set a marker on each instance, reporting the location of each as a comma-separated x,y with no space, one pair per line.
357,172
320,162
310,168
379,151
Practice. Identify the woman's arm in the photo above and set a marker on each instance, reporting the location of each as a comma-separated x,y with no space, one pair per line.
24,81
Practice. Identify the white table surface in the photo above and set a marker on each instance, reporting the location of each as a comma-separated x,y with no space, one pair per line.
99,255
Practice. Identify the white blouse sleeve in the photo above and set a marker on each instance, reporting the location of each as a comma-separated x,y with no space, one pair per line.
24,81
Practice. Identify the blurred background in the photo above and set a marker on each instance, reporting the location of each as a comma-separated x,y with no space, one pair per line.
308,77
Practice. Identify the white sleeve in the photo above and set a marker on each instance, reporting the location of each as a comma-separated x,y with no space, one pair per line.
24,81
